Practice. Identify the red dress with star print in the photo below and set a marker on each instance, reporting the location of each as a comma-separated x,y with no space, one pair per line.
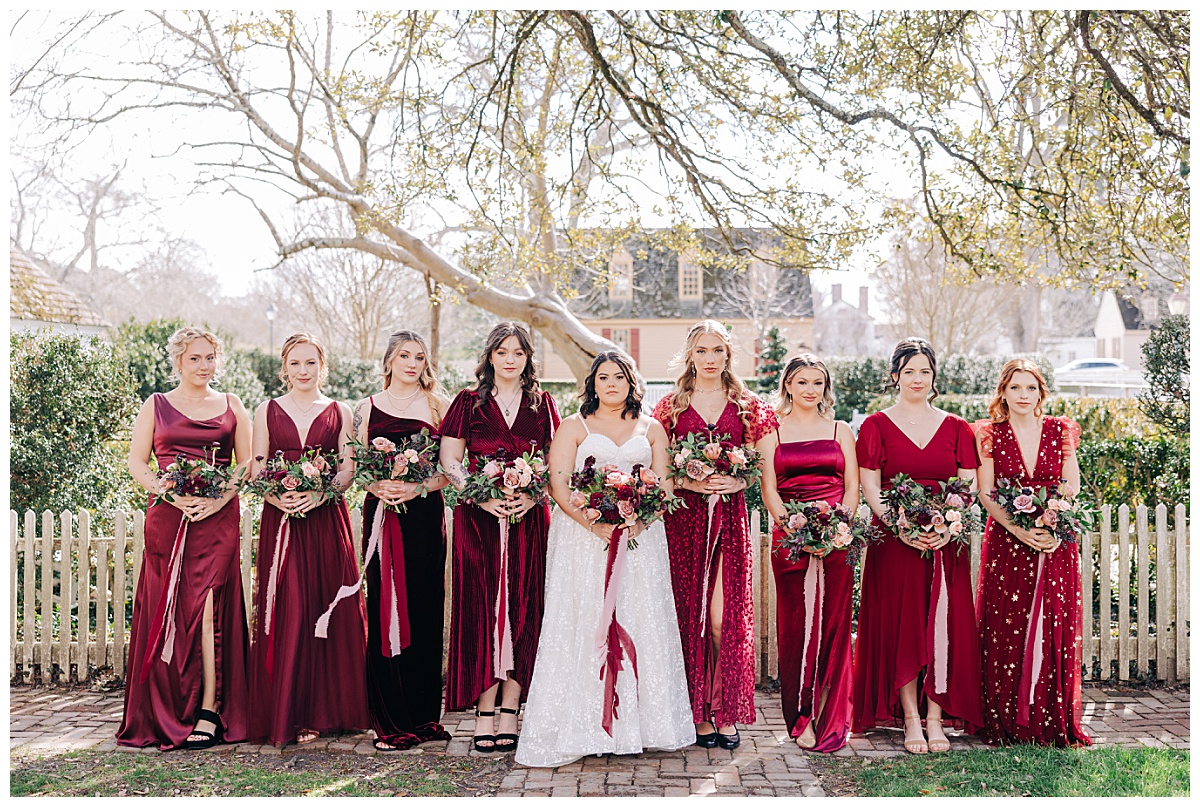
1008,589
720,683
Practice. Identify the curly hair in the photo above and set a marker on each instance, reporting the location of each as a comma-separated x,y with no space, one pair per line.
427,381
637,388
685,385
303,338
485,373
178,342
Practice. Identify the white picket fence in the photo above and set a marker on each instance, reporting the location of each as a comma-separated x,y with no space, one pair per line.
71,593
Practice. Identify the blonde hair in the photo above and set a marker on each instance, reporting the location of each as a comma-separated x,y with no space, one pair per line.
998,408
427,381
685,385
825,405
303,338
178,342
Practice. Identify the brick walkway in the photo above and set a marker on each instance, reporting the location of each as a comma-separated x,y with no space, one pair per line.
768,763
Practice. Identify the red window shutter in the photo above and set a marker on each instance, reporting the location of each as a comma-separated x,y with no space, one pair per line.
633,344
606,333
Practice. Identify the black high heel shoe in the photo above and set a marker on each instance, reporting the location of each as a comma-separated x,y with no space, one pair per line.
487,738
507,742
211,738
729,741
707,740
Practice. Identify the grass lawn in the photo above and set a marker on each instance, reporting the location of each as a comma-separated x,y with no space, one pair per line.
92,773
1019,771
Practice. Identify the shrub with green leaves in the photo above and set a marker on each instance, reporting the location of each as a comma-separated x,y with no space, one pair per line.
1168,367
771,361
70,397
1136,470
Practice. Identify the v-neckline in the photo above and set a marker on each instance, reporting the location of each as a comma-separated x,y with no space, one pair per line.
296,426
500,412
896,425
1037,451
712,427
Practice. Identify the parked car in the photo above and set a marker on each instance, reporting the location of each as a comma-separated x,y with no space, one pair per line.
1099,377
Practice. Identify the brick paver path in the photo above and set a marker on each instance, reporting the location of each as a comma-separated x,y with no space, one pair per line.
49,721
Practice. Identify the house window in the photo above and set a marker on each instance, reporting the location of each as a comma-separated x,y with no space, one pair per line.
621,337
691,281
620,268
1116,347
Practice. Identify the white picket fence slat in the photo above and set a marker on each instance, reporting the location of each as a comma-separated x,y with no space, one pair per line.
62,574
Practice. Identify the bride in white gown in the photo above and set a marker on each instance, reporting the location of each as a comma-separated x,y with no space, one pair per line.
563,713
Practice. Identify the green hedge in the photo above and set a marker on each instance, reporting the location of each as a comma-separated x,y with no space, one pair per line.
1137,470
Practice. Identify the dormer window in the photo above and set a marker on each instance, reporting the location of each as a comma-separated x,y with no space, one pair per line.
691,279
620,269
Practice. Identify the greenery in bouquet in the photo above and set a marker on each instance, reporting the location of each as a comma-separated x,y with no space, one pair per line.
1054,508
696,457
917,511
414,459
313,472
608,495
501,475
819,525
191,477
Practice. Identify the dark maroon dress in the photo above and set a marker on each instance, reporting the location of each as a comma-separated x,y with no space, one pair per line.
721,684
298,681
470,667
898,632
162,699
809,471
404,691
1052,707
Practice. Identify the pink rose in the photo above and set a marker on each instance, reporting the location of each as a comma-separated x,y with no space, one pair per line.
823,507
796,521
1023,503
938,522
291,482
698,470
537,465
682,457
954,500
591,514
902,522
492,469
320,462
1054,504
614,479
512,478
953,515
309,470
1050,518
399,467
955,527
167,483
843,536
526,476
648,477
383,444
411,454
712,450
625,508
578,499
737,457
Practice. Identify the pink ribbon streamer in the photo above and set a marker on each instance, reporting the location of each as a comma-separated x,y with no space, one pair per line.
613,642
1031,669
502,655
814,596
714,533
937,631
164,617
277,561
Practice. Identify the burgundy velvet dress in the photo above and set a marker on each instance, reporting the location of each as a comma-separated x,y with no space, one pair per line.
898,635
1049,676
476,570
814,650
162,698
405,691
720,684
298,681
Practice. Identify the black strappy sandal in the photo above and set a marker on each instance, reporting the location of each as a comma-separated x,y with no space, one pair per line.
489,738
508,741
211,738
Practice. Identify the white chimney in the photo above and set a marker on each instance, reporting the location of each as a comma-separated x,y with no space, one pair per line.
836,293
862,299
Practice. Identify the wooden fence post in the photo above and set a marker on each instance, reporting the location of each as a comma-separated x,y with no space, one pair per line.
117,658
1123,649
84,588
1085,584
1143,592
1164,588
1105,563
1183,661
29,597
47,592
12,621
761,639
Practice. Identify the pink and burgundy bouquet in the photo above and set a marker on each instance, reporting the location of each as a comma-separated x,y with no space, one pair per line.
501,474
916,511
608,495
819,525
696,457
312,472
189,477
1049,508
414,459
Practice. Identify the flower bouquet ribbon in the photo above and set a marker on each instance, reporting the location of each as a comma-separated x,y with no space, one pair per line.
164,616
814,597
937,630
613,642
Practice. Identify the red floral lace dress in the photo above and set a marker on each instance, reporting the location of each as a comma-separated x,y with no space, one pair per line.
1030,696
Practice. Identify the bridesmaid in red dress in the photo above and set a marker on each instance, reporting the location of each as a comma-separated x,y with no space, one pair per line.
912,656
709,540
404,686
1028,582
508,410
302,686
811,457
187,648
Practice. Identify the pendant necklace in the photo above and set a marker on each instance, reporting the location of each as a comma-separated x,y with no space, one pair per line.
303,411
507,407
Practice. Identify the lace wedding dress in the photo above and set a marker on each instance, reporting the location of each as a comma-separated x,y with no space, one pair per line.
564,708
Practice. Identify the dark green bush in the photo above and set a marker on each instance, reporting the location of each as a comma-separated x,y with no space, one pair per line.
1168,368
1136,470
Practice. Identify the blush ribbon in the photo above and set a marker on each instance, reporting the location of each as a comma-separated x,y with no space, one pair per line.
277,561
714,534
937,627
502,654
814,596
1031,669
164,617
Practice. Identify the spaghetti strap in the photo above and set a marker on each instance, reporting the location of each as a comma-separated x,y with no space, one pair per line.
583,420
641,428
835,429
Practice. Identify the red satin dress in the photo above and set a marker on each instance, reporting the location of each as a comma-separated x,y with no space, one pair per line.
1031,690
162,699
298,681
476,566
899,637
814,649
720,684
404,691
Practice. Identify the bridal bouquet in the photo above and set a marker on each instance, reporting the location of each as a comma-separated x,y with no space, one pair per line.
819,525
500,475
312,472
1050,508
695,457
916,510
608,495
189,477
414,459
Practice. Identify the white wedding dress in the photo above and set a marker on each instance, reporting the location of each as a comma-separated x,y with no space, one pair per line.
564,708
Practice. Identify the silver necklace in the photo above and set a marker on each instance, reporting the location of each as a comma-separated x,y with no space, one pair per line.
303,411
507,407
405,398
